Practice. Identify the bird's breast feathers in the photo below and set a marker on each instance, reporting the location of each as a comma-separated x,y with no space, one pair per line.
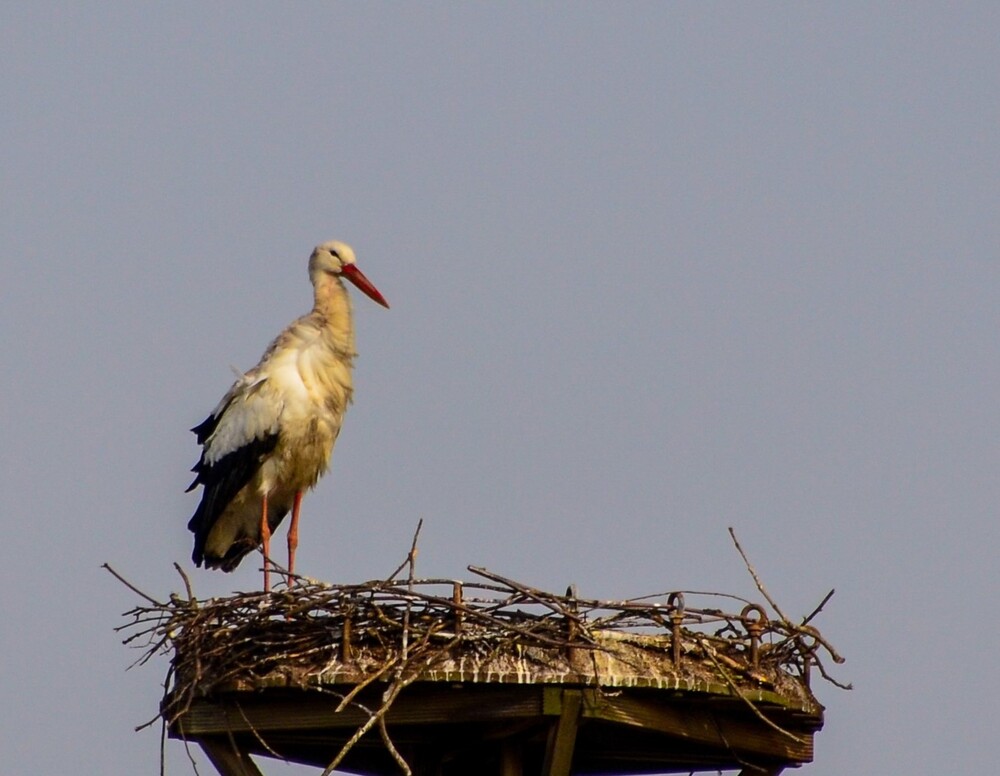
314,381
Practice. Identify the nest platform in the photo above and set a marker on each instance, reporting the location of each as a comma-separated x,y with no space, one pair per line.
437,677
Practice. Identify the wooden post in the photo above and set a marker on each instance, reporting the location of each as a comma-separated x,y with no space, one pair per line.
456,597
511,759
228,761
562,736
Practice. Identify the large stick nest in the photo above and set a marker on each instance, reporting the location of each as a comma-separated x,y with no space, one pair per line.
313,634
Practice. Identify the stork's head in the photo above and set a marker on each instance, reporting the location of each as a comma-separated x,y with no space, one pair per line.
337,259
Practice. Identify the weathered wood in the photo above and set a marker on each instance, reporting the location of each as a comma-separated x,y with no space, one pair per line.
305,711
747,735
627,729
227,760
511,759
562,735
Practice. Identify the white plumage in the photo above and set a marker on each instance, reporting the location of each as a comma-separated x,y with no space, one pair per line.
271,436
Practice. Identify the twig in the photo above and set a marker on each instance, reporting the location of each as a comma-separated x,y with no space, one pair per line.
258,736
187,584
384,733
830,679
729,748
390,695
553,602
347,699
194,763
409,557
819,608
412,560
756,579
130,586
163,747
733,686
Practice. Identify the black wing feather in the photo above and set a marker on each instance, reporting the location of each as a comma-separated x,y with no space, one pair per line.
222,481
207,427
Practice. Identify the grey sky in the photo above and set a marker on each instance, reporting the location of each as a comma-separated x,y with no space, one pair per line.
654,270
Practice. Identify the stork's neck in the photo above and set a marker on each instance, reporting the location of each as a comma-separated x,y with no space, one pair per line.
333,304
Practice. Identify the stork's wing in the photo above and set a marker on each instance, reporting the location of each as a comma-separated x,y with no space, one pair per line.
236,438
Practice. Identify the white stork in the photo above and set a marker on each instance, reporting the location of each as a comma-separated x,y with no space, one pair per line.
271,436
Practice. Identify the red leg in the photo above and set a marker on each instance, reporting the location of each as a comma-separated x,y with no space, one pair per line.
265,535
293,535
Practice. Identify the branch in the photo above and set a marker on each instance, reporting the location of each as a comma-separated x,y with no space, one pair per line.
819,608
756,579
733,686
131,587
412,554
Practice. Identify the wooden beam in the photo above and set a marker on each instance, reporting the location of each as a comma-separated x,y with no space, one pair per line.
511,759
309,711
228,760
562,736
726,732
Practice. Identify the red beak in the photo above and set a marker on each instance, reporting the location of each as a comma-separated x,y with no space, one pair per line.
357,277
